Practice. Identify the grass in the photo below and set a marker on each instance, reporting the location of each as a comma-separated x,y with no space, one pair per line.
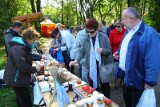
2,57
7,95
8,98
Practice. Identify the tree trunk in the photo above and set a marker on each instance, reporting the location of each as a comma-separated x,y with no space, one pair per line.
77,15
99,10
82,12
38,5
156,13
120,10
62,21
131,3
33,6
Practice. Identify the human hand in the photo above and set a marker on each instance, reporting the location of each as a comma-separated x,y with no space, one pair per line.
56,49
116,55
55,46
99,50
38,68
73,63
147,86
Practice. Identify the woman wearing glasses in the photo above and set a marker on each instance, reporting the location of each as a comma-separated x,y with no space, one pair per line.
97,50
115,38
116,35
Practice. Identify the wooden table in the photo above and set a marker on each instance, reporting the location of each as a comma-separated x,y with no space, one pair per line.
71,94
47,97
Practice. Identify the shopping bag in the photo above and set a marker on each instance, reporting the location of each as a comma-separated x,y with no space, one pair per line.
59,55
147,99
37,95
62,96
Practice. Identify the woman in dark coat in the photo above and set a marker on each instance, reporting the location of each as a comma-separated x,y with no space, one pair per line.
19,66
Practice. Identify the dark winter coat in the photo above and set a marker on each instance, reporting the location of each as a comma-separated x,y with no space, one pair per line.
19,65
8,35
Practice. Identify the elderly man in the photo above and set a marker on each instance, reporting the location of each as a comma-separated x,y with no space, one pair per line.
139,60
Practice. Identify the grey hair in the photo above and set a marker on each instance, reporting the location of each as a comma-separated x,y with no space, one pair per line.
133,12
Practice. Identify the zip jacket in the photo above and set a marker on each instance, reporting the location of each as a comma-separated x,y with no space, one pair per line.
19,64
147,65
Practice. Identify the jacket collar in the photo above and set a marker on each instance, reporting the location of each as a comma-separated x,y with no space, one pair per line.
140,30
14,33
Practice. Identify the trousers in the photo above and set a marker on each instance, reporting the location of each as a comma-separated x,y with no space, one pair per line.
23,97
131,96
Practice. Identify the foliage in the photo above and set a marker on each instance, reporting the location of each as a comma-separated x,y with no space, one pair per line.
6,12
106,10
154,11
11,9
2,57
75,12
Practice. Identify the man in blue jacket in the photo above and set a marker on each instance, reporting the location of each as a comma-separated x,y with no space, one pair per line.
138,56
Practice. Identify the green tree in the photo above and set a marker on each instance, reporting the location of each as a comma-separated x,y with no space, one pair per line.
75,12
153,14
8,10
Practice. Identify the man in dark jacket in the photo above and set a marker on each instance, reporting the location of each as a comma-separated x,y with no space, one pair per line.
19,66
14,31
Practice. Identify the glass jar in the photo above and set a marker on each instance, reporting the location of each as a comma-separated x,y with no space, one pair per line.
80,103
89,102
100,98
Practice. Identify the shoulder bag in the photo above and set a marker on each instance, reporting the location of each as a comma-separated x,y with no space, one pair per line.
107,72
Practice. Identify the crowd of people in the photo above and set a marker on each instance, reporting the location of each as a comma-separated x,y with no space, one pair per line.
129,42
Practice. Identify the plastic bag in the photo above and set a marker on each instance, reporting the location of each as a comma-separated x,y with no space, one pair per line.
59,55
1,74
37,94
147,99
62,96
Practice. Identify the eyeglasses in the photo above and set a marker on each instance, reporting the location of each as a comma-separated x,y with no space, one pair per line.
118,26
91,32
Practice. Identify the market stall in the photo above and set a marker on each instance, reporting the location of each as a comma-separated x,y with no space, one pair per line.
60,87
46,27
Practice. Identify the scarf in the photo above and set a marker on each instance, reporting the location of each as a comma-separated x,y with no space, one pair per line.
93,57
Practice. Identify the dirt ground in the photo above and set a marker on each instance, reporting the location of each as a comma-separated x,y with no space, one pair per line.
116,93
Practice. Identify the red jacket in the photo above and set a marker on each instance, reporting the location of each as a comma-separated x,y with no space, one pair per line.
115,38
